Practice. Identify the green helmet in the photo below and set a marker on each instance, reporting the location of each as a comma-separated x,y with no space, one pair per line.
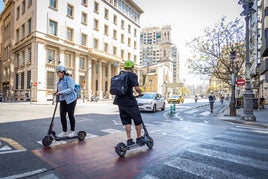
128,64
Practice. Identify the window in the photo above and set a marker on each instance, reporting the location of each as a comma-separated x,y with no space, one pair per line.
53,4
84,39
50,80
135,45
115,20
69,34
115,34
84,2
68,59
129,29
23,31
18,12
52,27
29,55
82,62
29,25
96,43
122,54
29,3
106,30
23,7
96,24
106,13
17,81
122,24
96,7
17,35
114,50
122,38
23,57
128,56
115,3
129,42
135,32
22,81
106,47
84,18
135,58
70,10
28,79
51,54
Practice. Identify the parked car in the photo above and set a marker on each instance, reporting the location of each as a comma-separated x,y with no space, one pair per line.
151,101
1,97
175,99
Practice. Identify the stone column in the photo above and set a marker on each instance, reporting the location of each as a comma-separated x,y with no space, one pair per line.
109,79
76,67
89,79
100,78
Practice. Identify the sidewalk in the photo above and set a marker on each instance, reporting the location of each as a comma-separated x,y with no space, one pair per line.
261,117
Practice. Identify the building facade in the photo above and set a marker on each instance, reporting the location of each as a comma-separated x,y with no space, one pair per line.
158,53
92,38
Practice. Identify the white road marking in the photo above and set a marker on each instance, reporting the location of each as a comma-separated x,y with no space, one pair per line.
117,123
5,148
204,113
90,136
198,169
49,176
177,116
191,111
149,177
111,131
27,174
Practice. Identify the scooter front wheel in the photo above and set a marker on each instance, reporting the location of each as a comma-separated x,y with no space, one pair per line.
121,149
47,140
81,135
150,142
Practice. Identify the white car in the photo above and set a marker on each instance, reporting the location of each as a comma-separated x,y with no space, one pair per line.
151,101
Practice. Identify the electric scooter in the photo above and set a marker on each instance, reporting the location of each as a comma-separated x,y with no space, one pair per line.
121,148
51,134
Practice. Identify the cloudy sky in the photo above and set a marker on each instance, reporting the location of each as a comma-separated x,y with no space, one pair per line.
187,18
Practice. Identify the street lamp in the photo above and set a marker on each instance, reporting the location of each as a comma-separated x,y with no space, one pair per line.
232,102
248,95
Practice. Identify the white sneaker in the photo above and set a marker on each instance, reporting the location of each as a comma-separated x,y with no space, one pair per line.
62,134
71,134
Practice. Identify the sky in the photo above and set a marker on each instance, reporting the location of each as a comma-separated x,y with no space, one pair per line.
188,19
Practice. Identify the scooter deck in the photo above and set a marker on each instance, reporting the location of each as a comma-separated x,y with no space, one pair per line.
65,138
134,146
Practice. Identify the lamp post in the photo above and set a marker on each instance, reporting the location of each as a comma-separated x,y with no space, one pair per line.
248,95
232,102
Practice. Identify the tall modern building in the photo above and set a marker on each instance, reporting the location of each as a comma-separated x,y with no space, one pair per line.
156,47
92,38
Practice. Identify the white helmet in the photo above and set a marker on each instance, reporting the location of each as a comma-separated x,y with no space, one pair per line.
61,68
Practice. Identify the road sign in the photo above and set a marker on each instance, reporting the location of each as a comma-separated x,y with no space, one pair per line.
35,83
240,82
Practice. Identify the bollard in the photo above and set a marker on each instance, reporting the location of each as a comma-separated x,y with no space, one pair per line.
174,107
171,112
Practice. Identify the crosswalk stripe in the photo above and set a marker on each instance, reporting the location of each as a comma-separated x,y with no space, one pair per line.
257,150
239,139
205,113
230,157
258,131
149,177
198,169
246,135
111,131
191,111
251,128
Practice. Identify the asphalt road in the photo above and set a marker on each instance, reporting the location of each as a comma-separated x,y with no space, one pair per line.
198,128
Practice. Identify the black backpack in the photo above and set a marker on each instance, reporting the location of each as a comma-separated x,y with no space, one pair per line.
119,84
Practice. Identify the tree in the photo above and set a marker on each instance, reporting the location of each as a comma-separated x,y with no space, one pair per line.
211,51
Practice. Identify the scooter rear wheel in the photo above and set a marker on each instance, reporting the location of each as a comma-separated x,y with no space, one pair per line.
47,140
150,142
81,135
121,149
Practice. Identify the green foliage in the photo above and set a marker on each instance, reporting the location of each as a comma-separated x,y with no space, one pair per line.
211,51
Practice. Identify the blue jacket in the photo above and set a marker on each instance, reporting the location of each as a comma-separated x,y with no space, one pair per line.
66,88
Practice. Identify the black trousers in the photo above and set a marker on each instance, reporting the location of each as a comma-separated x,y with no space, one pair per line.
64,109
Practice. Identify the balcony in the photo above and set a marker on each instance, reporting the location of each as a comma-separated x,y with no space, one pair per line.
264,66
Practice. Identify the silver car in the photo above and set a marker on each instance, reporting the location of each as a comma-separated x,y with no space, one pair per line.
151,101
